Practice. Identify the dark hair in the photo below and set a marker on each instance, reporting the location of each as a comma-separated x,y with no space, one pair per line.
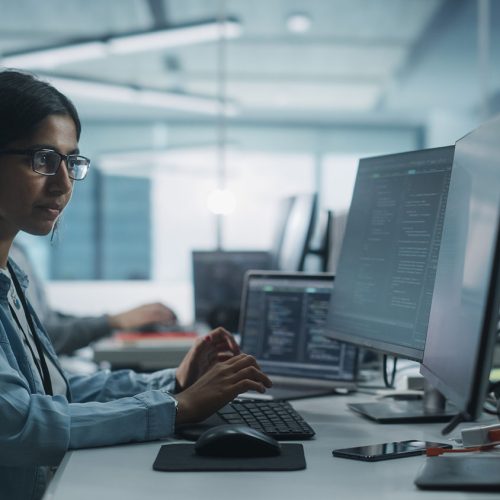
25,101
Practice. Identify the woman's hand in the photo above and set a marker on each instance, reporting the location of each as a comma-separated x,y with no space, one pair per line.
218,345
218,386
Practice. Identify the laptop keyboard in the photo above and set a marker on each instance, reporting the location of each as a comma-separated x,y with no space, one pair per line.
278,419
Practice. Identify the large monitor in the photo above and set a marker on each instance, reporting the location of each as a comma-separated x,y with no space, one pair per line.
464,313
295,237
387,264
218,281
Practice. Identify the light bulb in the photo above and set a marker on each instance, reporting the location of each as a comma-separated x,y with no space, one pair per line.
298,22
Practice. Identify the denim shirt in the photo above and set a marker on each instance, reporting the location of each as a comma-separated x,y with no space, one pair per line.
101,409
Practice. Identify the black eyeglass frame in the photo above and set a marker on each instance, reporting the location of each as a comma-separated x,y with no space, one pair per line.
32,152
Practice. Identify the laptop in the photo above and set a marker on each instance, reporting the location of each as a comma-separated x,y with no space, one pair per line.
282,319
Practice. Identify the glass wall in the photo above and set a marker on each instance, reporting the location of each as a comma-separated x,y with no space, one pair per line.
105,232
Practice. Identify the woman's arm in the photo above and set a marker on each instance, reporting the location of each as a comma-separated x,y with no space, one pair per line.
106,386
37,430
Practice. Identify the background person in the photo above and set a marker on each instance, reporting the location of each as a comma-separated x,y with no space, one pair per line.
70,332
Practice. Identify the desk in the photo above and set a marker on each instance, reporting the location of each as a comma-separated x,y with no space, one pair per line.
142,355
125,472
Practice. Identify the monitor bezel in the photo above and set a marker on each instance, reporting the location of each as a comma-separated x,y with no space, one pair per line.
303,243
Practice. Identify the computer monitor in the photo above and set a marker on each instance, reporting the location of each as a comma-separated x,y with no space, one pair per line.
318,254
464,313
283,212
387,265
218,281
282,322
337,230
298,230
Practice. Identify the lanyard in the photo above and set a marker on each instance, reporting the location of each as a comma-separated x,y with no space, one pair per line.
44,372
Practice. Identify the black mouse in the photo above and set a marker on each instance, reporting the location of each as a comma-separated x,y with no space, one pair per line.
235,440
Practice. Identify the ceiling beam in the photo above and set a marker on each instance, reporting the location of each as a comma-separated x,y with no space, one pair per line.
159,13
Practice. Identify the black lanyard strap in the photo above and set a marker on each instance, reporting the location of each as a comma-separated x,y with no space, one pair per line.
45,375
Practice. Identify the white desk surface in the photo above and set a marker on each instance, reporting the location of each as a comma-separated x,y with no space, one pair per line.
143,354
125,472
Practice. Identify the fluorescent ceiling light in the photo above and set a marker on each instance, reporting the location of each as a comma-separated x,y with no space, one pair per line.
139,96
188,35
51,57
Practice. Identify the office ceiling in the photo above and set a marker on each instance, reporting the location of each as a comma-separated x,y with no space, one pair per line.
360,59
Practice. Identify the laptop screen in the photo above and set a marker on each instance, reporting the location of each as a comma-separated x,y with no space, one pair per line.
283,317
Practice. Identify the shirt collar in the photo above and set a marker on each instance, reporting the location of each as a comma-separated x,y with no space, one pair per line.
5,281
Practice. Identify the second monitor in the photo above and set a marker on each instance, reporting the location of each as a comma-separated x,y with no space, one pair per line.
218,281
387,265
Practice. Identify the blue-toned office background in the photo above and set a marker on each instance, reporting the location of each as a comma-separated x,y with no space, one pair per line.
315,84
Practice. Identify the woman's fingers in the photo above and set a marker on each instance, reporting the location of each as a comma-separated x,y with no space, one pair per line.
251,373
246,366
223,356
222,336
241,360
248,385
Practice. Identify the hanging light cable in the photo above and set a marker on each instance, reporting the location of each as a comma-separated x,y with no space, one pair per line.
221,201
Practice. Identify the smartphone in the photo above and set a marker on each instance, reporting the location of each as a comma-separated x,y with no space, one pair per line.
388,451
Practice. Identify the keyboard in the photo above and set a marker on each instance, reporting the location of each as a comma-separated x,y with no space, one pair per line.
276,418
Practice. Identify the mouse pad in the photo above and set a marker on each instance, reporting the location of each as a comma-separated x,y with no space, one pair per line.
460,473
180,457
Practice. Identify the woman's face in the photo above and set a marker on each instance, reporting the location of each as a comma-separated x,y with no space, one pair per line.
29,201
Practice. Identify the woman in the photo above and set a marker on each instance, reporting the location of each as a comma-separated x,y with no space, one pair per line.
43,412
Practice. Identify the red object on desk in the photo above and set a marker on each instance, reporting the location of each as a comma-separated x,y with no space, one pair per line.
135,336
435,452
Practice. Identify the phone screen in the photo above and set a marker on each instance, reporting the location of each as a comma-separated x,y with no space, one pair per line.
386,451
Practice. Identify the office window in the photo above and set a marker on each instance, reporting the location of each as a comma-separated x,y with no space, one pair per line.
73,251
259,181
339,174
125,251
106,231
182,221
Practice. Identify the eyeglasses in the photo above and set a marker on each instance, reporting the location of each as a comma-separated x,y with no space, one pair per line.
48,161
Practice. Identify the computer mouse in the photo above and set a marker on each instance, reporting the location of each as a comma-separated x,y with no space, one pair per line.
234,440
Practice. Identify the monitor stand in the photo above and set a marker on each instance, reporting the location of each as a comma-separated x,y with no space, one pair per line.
431,408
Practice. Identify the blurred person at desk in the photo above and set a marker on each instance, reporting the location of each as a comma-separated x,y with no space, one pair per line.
44,411
69,332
